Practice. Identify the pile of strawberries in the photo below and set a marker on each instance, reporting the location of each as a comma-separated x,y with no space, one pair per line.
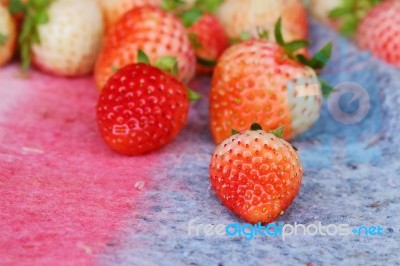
144,53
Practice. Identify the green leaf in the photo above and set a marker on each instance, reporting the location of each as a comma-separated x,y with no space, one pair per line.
191,16
278,33
322,57
168,64
244,36
170,5
194,39
25,56
293,46
326,88
143,58
339,12
319,60
262,33
41,17
114,69
35,14
16,6
277,132
234,132
349,26
208,5
192,95
206,63
3,39
255,127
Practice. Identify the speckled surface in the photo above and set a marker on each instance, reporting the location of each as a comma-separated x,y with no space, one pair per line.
68,199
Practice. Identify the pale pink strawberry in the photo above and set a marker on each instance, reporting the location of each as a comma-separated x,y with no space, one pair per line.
379,32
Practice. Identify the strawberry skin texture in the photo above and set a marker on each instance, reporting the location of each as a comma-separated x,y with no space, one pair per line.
254,81
238,16
113,10
212,40
152,30
7,29
379,32
70,41
141,109
256,175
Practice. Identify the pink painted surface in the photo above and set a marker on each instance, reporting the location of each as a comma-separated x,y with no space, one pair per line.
63,193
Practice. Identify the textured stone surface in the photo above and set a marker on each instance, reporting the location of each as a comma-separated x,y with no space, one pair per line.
67,199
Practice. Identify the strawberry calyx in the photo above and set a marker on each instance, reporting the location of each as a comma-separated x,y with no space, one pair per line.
190,16
169,65
255,127
317,62
35,14
3,39
350,13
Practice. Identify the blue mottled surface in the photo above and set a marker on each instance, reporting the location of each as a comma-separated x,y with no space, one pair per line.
351,176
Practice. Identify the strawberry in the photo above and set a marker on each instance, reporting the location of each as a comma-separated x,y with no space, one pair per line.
379,32
8,35
206,33
141,108
249,16
152,30
342,15
256,174
268,82
113,10
60,37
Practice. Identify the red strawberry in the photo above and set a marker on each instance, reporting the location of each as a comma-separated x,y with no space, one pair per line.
256,174
141,109
152,30
379,32
205,31
209,41
61,37
8,35
264,81
113,10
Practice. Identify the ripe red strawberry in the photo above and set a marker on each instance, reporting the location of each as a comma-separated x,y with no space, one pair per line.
205,31
248,16
209,41
141,109
379,32
264,81
8,35
152,30
113,10
256,174
60,37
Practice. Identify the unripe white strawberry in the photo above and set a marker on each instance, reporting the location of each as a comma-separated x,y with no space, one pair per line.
66,36
7,35
249,16
113,10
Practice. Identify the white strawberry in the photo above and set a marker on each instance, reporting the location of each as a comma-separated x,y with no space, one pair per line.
248,16
61,37
113,10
